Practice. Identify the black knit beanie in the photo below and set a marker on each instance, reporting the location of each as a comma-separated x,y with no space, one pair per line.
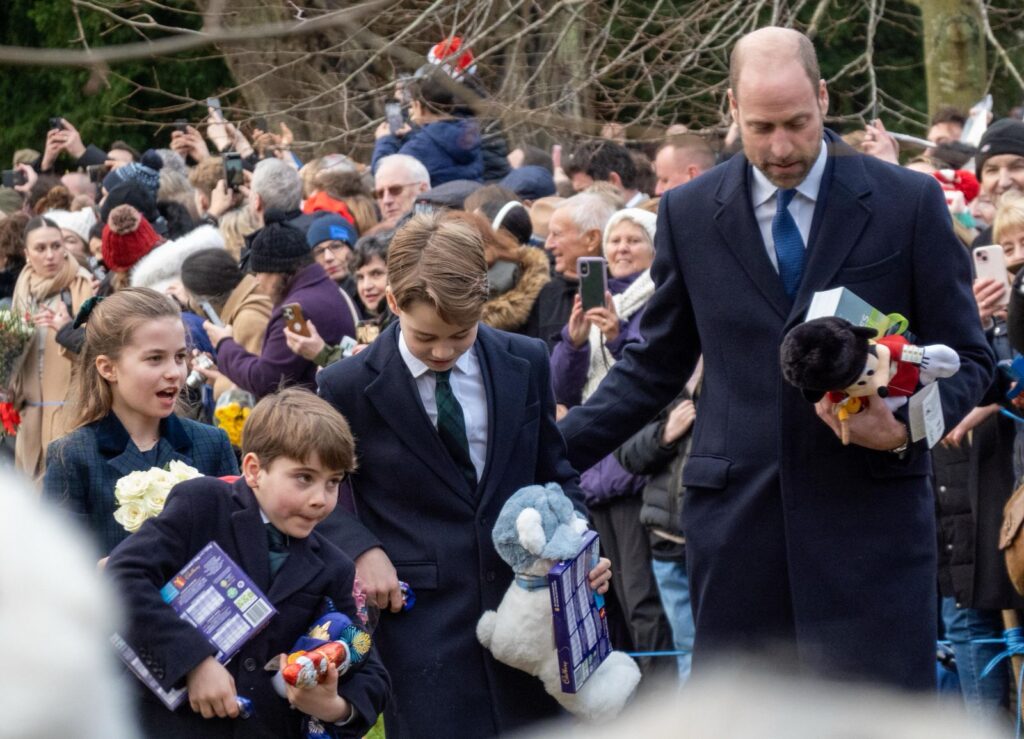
1005,136
278,246
210,272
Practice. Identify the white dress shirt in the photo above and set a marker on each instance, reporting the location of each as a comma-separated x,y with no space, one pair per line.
801,207
467,383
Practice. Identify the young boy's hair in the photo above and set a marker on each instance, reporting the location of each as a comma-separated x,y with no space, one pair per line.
295,423
1009,217
439,261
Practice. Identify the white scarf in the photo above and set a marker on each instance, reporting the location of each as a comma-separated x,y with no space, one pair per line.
628,302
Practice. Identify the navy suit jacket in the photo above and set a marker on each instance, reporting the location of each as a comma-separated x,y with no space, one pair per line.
83,467
198,512
411,499
832,545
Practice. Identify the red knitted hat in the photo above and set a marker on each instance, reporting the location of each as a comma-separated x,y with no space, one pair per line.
959,179
127,238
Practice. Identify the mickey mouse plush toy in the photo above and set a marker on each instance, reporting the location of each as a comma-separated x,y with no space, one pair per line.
832,356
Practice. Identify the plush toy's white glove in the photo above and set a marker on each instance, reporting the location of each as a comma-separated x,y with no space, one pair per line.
938,361
894,402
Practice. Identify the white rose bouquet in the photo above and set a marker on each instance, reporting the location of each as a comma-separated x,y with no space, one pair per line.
141,495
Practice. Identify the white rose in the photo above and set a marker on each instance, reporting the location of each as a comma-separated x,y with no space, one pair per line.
154,501
131,516
130,487
181,471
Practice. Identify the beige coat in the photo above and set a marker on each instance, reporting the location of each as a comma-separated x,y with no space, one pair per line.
248,313
41,384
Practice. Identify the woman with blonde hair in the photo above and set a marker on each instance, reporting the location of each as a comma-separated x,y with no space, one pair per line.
234,226
49,291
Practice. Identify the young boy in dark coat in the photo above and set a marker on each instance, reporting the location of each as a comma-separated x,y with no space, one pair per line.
297,450
451,417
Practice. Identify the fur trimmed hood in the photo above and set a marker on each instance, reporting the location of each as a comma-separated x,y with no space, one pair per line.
162,266
510,310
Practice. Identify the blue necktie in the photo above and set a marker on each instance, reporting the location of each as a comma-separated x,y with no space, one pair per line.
789,245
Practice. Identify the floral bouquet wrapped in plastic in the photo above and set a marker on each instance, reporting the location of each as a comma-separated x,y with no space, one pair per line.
141,495
15,334
232,409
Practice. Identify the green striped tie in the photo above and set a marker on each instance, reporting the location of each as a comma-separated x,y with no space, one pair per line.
451,425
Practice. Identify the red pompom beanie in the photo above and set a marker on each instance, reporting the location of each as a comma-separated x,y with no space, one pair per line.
127,238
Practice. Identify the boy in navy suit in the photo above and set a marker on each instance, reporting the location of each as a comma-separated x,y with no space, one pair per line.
452,417
297,450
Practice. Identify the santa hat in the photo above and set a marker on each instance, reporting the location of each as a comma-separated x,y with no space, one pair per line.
127,238
448,55
959,179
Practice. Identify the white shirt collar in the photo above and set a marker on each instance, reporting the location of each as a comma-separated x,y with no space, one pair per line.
762,189
417,368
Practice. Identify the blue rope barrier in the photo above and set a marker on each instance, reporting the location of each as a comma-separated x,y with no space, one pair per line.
1012,415
680,653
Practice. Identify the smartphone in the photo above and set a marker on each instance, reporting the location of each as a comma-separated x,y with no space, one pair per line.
211,314
233,170
14,178
216,114
393,115
97,172
593,281
57,122
97,268
990,263
294,319
367,331
181,125
348,345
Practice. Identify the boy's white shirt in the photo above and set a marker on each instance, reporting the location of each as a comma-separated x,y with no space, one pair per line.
467,383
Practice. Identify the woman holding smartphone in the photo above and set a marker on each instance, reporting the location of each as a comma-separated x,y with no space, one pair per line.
284,268
591,342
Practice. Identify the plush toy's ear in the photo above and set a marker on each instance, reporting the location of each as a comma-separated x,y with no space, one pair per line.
565,543
531,531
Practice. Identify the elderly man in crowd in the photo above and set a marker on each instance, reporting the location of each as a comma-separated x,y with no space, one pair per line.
400,179
276,186
576,229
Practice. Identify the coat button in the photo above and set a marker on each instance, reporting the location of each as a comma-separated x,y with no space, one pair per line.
942,488
249,664
490,576
949,547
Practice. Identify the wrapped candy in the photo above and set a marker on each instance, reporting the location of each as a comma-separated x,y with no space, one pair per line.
332,639
306,669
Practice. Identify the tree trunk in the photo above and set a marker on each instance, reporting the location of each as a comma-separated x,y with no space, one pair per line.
954,53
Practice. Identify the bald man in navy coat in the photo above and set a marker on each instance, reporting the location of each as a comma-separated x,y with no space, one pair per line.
796,544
